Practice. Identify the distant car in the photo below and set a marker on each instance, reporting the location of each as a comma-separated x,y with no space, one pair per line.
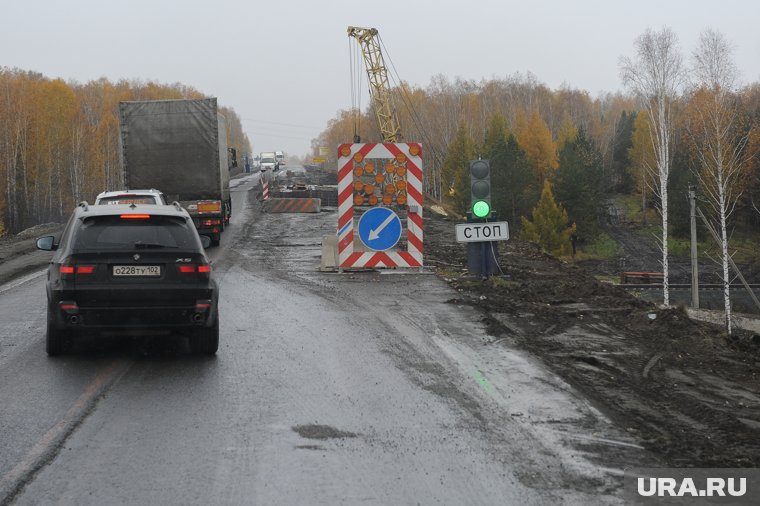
131,197
130,270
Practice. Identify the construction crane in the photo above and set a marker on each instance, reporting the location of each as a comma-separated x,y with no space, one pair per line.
377,73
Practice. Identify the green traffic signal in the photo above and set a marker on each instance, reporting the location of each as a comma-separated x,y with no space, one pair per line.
481,209
480,188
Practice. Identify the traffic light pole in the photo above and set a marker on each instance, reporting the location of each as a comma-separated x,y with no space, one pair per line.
481,255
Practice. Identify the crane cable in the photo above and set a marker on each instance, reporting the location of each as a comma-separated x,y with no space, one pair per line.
356,77
410,106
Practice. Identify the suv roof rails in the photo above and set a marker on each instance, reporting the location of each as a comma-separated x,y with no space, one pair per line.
84,205
177,205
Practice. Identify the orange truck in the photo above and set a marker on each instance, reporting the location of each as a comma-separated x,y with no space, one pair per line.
180,148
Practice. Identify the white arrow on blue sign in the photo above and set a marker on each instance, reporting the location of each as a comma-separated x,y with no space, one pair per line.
379,228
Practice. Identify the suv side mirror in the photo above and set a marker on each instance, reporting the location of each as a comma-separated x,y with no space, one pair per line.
46,243
205,241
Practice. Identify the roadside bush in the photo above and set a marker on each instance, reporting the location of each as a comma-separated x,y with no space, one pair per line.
602,248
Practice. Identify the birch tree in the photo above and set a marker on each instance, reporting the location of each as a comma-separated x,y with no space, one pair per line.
718,147
654,75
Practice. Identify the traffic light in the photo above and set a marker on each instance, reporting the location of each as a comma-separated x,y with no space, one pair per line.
480,188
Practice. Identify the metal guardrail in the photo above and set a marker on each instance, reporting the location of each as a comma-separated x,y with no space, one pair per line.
642,277
683,286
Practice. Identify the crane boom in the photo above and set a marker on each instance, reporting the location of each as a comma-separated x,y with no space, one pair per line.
377,73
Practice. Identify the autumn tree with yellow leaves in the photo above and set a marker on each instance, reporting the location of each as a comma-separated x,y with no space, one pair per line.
535,139
59,142
456,168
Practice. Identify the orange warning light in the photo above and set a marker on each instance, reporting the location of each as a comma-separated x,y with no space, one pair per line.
401,171
358,157
414,149
345,150
369,189
358,172
401,158
358,186
379,178
401,185
390,189
390,168
372,200
387,200
358,200
369,167
401,199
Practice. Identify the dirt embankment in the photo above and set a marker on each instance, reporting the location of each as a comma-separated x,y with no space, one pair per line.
687,391
18,253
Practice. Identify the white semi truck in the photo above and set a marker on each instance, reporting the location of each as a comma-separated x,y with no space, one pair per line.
269,161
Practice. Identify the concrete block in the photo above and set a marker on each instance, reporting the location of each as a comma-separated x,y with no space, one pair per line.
329,253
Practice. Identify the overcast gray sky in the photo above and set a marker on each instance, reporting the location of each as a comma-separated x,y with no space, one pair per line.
283,65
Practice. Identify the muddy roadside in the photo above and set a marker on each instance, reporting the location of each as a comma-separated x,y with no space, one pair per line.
19,254
685,390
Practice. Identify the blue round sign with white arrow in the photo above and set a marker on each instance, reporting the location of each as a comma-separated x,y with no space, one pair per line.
379,228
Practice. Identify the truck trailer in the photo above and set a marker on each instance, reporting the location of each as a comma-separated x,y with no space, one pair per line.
180,148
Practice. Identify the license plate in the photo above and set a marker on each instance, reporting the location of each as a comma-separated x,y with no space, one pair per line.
137,270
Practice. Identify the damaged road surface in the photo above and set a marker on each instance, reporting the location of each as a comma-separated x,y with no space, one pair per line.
328,388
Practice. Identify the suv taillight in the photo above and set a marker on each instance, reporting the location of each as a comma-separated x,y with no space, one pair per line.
68,271
199,268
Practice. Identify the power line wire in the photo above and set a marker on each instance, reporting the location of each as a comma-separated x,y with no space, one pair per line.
278,123
438,159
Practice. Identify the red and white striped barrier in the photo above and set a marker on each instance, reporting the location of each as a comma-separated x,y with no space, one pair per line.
264,187
392,166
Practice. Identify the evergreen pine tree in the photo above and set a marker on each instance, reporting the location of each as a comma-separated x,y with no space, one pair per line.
621,161
515,186
578,185
496,132
456,169
549,227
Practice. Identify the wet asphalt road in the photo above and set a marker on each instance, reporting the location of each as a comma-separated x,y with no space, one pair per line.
327,389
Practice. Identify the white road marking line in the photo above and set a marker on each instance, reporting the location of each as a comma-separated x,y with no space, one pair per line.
45,450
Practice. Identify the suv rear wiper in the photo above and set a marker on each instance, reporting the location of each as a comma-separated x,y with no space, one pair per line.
148,245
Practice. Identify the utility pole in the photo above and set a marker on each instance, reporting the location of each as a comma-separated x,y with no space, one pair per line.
694,262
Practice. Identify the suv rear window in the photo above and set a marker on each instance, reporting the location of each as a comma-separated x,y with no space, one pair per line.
116,233
128,199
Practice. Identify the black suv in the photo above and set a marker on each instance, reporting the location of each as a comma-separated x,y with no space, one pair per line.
130,270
